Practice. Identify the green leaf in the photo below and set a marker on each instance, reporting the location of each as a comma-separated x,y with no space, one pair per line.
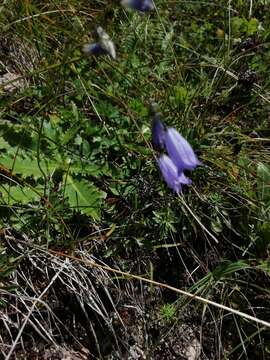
88,169
139,107
264,265
17,194
75,111
84,197
244,26
216,225
252,26
236,23
27,166
70,134
180,96
229,267
4,144
263,182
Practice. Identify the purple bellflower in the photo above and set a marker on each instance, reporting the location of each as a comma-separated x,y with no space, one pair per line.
180,151
103,46
171,175
180,155
140,5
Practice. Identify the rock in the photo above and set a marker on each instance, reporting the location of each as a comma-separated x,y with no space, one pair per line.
11,82
193,351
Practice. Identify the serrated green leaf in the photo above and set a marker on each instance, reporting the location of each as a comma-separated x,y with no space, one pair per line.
27,166
84,197
17,194
70,134
88,169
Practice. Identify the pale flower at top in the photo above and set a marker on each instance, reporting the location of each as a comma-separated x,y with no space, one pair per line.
104,46
140,5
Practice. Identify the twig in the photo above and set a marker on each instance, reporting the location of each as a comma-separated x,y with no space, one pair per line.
29,314
156,283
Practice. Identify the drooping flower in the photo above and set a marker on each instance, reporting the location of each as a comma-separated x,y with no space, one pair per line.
140,5
171,175
103,46
180,151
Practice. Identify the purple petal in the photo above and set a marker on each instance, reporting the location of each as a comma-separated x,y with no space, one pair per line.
102,47
158,133
170,174
180,151
94,49
147,5
140,5
184,179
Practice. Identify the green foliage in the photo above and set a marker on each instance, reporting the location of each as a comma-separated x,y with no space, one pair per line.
165,220
18,194
181,96
263,183
84,197
7,264
27,166
244,26
3,144
168,312
228,268
264,266
74,142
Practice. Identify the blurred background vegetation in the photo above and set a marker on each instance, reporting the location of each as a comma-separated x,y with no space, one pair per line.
78,177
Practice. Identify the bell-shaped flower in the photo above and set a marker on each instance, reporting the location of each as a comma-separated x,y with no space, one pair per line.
103,46
140,5
171,175
180,151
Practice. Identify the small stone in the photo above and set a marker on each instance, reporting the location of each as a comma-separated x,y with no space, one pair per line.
11,82
193,351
